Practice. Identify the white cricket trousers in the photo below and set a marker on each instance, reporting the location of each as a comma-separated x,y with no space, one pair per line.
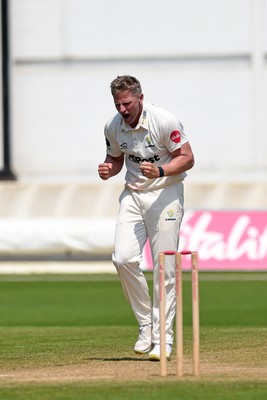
155,215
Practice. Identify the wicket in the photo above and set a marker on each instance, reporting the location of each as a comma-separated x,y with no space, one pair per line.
179,311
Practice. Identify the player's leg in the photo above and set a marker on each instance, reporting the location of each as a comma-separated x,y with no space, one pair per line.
130,238
163,233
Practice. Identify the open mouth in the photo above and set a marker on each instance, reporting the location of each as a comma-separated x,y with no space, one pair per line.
126,116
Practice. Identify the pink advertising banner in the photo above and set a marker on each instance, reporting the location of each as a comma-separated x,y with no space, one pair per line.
225,240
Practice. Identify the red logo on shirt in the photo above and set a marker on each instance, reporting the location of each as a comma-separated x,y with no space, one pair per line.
175,136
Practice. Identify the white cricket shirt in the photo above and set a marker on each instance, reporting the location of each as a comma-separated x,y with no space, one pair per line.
157,134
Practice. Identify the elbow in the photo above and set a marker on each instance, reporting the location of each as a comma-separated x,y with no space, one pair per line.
191,162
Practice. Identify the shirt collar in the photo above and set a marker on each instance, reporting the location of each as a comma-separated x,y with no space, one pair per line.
142,123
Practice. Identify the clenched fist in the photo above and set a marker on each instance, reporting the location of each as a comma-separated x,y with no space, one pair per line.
149,170
104,170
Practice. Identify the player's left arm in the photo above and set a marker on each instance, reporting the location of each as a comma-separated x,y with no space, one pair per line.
183,160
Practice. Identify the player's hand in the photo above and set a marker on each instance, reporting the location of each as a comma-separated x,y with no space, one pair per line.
149,170
104,170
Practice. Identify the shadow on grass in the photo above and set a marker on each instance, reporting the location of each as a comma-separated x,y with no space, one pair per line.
116,359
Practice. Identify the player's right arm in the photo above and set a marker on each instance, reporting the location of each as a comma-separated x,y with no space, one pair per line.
110,167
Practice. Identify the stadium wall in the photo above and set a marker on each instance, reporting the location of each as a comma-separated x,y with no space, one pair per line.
204,61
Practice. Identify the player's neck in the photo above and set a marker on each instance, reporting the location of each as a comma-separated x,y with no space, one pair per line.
135,123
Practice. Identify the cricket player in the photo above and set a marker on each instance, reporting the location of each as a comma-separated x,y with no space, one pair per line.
152,144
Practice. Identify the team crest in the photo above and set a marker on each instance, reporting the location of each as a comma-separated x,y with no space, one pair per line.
148,141
171,216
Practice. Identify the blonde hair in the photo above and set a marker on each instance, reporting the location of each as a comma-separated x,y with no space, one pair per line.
126,82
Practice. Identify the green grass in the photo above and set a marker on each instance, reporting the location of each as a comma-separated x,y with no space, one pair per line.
63,304
137,391
101,302
85,321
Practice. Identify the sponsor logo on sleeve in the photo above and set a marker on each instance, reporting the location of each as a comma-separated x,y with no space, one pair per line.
108,143
175,136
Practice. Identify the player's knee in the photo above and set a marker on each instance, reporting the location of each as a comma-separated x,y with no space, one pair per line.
122,261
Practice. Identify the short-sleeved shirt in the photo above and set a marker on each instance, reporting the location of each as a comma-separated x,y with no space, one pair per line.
157,134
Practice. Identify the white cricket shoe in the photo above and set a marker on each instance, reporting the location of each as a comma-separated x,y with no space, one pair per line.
143,344
154,355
